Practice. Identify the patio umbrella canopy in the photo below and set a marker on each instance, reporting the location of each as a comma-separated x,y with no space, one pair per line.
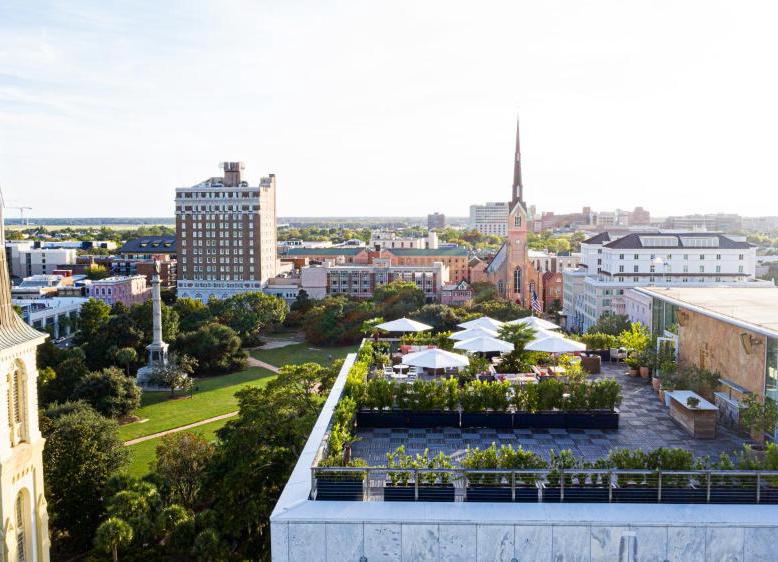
435,359
403,325
483,322
541,334
535,322
555,344
484,345
473,333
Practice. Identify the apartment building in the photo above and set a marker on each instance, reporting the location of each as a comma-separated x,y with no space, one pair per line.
490,219
611,264
55,315
390,241
226,235
25,260
436,220
360,281
127,290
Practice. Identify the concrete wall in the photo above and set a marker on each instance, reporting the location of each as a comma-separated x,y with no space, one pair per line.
405,542
716,346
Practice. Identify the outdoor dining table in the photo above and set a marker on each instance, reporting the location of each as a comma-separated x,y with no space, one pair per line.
399,376
400,368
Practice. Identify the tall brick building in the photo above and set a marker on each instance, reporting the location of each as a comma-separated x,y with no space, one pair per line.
226,232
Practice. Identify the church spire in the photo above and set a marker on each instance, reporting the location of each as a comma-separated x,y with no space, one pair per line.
518,187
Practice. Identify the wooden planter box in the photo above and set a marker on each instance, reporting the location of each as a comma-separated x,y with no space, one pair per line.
699,422
576,494
496,420
439,493
596,419
339,489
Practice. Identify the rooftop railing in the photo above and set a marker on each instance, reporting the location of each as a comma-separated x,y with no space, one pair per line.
545,485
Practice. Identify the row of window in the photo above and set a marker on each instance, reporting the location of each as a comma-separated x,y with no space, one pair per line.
670,256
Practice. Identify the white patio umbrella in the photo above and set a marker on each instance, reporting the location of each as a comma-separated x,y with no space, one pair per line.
535,322
483,322
484,345
403,325
541,333
435,359
555,344
473,333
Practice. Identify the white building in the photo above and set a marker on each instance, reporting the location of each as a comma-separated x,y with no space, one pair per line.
56,315
389,240
490,219
612,264
545,261
226,235
25,260
36,286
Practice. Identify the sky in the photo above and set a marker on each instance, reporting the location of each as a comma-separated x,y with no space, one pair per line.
401,108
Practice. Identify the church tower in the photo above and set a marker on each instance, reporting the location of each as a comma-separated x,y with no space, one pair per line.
517,263
23,512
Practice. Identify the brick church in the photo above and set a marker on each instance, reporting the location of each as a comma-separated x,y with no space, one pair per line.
510,270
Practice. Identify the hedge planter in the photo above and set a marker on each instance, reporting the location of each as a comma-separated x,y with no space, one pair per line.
539,420
576,494
406,418
501,494
684,495
339,489
635,494
597,419
398,493
496,420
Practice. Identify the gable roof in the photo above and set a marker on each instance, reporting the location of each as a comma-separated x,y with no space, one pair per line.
600,238
498,259
150,244
447,252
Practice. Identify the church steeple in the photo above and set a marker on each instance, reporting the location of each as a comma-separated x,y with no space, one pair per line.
518,187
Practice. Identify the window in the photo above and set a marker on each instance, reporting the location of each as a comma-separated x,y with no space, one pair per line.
517,280
718,256
21,528
718,269
740,257
740,269
621,269
16,406
702,256
636,256
702,269
635,268
621,256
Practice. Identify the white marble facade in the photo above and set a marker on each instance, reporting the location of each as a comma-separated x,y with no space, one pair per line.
399,542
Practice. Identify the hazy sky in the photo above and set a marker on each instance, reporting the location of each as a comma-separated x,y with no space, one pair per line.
390,108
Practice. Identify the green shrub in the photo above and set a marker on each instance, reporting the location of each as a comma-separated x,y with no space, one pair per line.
604,394
550,393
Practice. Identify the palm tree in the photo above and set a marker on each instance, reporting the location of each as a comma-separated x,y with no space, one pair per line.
111,534
126,356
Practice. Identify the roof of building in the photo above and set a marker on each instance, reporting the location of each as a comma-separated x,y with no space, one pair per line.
751,307
339,251
150,244
432,252
600,238
650,240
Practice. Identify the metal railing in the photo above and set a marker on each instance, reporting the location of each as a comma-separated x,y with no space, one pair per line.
545,485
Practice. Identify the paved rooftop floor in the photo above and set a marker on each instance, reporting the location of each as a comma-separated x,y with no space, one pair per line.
644,424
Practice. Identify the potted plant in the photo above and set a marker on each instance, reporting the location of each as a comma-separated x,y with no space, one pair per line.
593,405
399,488
677,488
485,404
637,487
340,486
633,362
733,488
432,486
759,417
496,487
692,402
637,340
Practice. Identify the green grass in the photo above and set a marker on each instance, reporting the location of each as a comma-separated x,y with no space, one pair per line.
215,396
302,353
143,453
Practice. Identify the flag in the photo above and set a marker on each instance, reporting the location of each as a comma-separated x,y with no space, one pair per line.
535,302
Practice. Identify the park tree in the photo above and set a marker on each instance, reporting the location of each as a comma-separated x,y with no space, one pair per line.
192,313
69,373
109,391
142,318
256,453
483,291
82,451
398,298
337,321
93,317
215,347
500,309
249,313
175,374
112,534
441,317
126,356
180,461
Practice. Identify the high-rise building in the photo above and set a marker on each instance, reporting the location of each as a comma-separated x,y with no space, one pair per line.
22,503
436,220
490,219
226,232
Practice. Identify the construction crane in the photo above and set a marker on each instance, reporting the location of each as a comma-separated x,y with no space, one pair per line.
21,214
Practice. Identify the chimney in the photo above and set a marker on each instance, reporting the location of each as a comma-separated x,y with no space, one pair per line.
232,173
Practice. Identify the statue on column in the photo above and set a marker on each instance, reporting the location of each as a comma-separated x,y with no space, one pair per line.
157,349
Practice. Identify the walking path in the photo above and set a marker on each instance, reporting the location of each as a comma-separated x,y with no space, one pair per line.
182,428
251,361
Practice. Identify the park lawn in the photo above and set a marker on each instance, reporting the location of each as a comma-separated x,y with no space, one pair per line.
214,396
302,353
141,454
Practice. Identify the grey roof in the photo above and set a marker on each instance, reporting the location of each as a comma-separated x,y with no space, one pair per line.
634,241
150,244
428,251
600,238
342,251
